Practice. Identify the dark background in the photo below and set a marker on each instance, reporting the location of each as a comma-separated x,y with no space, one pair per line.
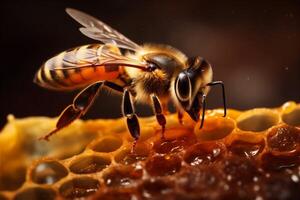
253,46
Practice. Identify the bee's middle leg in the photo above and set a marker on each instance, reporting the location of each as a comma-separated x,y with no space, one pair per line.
158,111
129,112
165,109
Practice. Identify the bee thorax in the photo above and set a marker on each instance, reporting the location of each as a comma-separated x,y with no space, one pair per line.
151,83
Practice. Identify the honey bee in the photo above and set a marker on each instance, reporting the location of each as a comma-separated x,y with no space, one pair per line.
152,73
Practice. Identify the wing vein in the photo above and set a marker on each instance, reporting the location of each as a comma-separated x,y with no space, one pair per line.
98,30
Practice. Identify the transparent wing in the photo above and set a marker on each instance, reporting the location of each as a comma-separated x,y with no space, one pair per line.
98,30
92,55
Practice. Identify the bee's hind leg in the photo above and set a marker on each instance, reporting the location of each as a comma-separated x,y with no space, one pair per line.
132,120
81,104
157,108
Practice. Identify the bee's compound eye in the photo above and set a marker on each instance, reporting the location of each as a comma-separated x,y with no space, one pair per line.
183,87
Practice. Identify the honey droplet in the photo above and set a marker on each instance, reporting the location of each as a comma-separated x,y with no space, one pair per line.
203,153
283,138
159,165
48,172
124,176
246,149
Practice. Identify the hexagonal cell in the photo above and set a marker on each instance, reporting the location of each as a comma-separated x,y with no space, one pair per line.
107,144
48,172
176,145
278,162
246,149
214,128
293,117
204,153
283,138
13,179
116,194
89,164
155,187
36,193
172,133
257,120
122,176
79,187
127,157
159,165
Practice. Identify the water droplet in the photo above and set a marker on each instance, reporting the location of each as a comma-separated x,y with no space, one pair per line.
226,187
229,178
295,178
256,188
255,178
259,198
216,152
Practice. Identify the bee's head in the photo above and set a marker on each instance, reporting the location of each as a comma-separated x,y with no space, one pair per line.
190,85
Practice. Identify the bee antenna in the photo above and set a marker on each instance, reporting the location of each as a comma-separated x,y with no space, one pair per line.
203,110
223,93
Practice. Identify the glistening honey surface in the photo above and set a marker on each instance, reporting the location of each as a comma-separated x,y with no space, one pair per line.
251,154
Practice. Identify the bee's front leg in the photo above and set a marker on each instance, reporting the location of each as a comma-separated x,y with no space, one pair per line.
129,113
157,108
180,116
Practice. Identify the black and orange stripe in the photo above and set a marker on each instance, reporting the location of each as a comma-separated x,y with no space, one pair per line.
65,71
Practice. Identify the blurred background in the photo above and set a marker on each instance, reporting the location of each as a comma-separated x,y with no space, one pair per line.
253,47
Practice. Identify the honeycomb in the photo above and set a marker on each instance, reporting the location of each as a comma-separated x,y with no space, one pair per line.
252,154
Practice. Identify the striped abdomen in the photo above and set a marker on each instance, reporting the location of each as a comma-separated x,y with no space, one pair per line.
78,67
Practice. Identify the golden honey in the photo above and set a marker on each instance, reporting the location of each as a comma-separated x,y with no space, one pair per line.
252,154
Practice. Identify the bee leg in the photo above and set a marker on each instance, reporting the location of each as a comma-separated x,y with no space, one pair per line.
114,86
180,116
203,110
165,109
68,115
157,108
81,104
129,113
223,93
